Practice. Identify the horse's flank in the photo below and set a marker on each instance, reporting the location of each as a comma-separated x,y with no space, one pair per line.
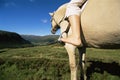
101,23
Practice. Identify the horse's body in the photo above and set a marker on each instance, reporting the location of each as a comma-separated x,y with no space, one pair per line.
101,23
100,28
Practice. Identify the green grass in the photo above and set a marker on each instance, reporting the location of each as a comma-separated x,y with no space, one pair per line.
105,55
51,63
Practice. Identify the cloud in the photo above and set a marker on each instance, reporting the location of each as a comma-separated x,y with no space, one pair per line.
44,20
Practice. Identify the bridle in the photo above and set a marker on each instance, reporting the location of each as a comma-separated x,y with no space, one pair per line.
66,30
53,19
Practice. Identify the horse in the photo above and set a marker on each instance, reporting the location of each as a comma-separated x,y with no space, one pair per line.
100,28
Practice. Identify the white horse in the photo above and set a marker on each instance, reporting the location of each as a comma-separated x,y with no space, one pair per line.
100,28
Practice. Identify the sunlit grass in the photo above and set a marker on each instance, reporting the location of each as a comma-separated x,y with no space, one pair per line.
51,63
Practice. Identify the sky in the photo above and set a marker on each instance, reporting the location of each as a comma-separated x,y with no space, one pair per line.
28,17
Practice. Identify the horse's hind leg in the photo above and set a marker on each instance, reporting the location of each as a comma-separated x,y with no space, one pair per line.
82,52
72,60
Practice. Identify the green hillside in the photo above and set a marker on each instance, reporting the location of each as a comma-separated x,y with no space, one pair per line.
12,39
41,40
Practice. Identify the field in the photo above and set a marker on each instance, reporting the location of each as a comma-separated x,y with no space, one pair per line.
51,63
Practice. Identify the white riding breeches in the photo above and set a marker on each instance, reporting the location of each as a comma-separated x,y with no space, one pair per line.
73,7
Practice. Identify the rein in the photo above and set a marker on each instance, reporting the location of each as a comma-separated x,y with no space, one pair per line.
66,30
55,20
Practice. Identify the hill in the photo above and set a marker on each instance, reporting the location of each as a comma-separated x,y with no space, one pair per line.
41,40
12,39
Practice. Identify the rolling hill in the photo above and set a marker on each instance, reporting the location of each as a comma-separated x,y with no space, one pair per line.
12,39
41,40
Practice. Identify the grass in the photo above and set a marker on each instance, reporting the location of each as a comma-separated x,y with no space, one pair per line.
106,55
51,63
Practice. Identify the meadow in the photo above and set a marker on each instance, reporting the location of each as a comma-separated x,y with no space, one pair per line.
51,63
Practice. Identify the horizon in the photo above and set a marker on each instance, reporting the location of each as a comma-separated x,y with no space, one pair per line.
30,34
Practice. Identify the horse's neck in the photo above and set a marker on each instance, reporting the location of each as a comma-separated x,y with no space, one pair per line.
60,13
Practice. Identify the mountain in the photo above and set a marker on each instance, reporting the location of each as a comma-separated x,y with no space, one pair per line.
41,40
12,39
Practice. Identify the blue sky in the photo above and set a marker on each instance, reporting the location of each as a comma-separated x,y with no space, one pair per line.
29,17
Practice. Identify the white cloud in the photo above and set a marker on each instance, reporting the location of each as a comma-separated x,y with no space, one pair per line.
44,20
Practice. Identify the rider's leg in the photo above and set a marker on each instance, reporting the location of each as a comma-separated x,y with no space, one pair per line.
73,13
75,27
